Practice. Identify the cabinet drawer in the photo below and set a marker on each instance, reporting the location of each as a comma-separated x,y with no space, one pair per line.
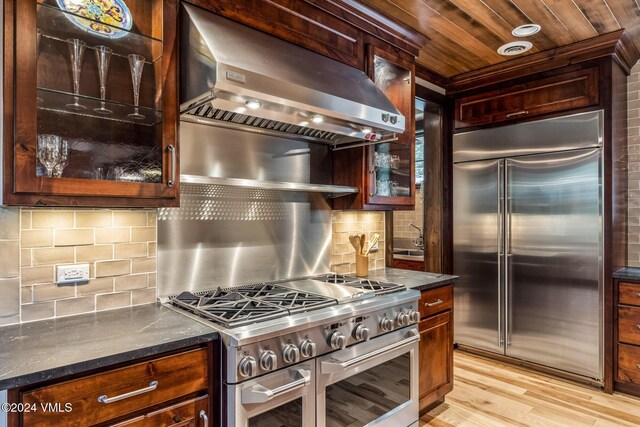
174,376
629,293
628,364
558,93
184,414
629,325
436,301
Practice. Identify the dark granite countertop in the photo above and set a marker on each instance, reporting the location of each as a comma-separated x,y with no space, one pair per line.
418,280
51,349
629,273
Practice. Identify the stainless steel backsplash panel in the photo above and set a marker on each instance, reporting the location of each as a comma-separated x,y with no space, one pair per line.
221,235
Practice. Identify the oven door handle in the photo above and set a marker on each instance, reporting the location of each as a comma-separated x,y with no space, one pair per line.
261,394
332,366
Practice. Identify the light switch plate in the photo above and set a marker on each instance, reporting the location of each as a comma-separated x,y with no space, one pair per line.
72,274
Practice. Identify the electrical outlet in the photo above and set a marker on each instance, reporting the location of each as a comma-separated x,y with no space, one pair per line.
72,274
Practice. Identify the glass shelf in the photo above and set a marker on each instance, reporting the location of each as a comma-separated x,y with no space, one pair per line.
53,100
56,24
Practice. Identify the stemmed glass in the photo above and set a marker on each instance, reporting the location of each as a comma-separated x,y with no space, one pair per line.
103,57
49,152
63,159
136,63
76,52
38,37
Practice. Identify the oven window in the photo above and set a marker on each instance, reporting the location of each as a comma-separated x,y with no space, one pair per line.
286,415
362,398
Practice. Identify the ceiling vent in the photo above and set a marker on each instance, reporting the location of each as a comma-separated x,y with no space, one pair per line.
514,48
526,30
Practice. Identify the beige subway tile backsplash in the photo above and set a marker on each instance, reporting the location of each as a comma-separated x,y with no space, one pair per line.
52,219
345,223
111,301
120,246
68,307
36,238
113,235
37,311
48,256
73,236
113,268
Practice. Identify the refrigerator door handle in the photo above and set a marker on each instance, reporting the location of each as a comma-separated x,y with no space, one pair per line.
507,256
500,249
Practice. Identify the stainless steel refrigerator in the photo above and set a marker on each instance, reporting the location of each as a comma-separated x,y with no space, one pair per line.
528,243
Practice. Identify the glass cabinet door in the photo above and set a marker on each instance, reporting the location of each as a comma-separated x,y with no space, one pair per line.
391,171
95,90
391,165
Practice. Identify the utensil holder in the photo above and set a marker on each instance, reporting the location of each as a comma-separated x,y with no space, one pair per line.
362,265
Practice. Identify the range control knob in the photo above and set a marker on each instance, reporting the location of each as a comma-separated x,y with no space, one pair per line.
361,333
402,319
308,349
291,354
414,316
386,324
268,361
247,367
338,341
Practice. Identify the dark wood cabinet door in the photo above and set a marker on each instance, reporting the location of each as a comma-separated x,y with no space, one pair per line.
192,413
391,166
436,358
115,393
562,92
76,136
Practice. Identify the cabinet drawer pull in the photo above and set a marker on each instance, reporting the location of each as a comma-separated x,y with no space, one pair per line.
172,165
638,326
517,113
638,366
431,304
104,399
638,294
205,419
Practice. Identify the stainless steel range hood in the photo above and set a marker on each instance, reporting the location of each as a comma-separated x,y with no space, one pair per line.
235,75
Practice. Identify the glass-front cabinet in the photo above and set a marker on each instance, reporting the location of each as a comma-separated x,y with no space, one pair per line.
95,93
390,165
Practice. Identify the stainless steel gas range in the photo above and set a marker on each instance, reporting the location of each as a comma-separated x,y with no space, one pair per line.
328,350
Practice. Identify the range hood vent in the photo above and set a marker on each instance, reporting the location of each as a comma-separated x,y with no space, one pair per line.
208,112
235,75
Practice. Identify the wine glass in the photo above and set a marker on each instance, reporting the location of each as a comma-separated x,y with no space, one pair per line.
136,63
76,53
38,37
103,57
63,159
48,150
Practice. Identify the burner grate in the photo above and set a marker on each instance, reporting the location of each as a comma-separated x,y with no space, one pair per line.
380,288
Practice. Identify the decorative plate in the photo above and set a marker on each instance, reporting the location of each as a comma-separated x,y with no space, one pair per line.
105,17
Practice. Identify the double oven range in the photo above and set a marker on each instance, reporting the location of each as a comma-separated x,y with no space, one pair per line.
328,350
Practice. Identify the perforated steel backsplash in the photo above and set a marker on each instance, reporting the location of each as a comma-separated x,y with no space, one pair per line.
200,202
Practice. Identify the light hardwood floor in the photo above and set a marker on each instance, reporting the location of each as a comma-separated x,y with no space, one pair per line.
493,394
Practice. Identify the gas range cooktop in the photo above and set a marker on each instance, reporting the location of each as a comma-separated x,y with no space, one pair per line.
243,305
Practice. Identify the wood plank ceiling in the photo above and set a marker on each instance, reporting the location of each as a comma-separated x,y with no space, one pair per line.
464,35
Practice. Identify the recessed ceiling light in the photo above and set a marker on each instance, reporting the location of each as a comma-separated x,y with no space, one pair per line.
526,30
254,104
514,48
317,118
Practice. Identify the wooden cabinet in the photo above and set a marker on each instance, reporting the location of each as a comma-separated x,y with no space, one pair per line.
436,346
192,413
90,104
385,172
554,94
406,264
171,389
627,337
